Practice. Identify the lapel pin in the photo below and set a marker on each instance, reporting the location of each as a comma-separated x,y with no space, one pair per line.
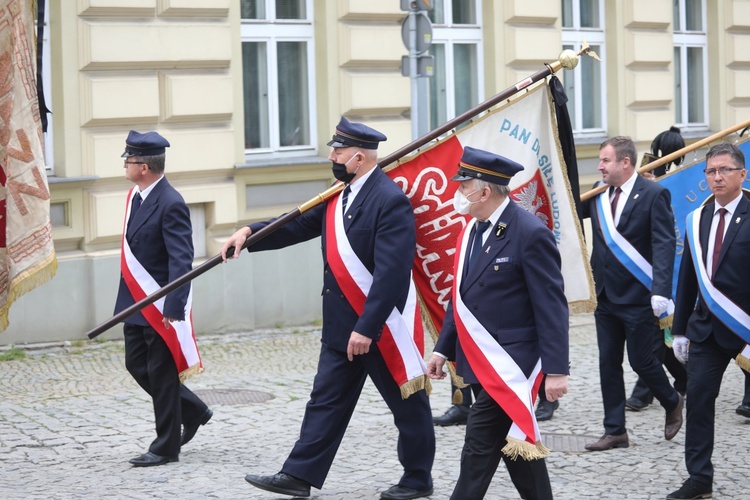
737,220
501,226
635,197
349,216
497,268
488,250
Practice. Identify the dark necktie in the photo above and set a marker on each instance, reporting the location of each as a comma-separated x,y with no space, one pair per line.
614,202
136,205
476,247
345,198
717,242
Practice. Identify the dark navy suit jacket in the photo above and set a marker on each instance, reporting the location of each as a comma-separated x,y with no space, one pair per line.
647,222
692,318
515,289
380,227
160,236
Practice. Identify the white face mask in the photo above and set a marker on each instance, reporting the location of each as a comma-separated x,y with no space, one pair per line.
461,203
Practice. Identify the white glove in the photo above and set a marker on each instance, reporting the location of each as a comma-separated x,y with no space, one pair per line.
680,346
659,305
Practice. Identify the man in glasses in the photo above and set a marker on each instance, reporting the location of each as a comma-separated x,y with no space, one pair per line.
712,310
160,349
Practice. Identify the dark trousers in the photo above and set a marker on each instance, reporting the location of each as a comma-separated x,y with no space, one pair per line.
746,397
673,366
150,362
486,431
633,327
334,396
706,365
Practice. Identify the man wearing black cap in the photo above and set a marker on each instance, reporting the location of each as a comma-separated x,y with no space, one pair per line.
632,261
160,349
369,242
506,327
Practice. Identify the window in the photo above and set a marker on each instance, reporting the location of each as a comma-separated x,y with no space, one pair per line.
278,80
586,84
198,222
690,64
456,45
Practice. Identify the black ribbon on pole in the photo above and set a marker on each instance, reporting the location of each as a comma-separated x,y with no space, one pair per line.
43,109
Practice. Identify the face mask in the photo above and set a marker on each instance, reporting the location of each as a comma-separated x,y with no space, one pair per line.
340,172
461,203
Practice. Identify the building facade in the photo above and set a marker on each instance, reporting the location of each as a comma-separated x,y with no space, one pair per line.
248,93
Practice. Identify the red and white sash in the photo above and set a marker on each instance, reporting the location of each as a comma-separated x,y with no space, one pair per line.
180,337
496,370
402,340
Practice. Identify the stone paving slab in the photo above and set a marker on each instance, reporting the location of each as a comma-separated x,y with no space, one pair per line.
71,417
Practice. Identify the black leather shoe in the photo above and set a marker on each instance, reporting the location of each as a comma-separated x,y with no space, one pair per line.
397,492
149,459
636,404
743,410
692,489
455,415
189,430
280,483
545,410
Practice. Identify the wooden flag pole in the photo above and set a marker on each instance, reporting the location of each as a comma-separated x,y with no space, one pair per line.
568,59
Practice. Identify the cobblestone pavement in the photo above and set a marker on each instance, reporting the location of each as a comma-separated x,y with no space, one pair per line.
71,417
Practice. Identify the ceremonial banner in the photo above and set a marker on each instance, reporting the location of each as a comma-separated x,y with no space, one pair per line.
524,131
27,256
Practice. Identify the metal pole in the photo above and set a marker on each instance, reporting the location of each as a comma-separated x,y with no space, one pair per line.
413,74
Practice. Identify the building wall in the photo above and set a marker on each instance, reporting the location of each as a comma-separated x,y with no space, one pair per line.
175,66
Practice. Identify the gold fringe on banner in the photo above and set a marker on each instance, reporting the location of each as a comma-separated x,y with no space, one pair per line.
742,362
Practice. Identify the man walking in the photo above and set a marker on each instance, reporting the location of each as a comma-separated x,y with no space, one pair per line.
632,261
160,348
712,315
370,319
506,327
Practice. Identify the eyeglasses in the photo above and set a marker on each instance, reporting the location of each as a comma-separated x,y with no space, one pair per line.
722,170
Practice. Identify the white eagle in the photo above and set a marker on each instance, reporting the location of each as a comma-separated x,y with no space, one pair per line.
529,201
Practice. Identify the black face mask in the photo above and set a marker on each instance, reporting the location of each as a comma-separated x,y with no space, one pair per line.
340,172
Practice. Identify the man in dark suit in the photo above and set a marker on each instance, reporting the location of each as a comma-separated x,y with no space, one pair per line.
712,307
506,327
157,249
369,242
632,261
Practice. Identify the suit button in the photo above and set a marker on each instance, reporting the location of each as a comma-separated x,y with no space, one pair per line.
341,296
328,290
481,283
475,307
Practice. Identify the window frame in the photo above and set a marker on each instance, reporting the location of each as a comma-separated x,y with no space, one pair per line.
571,37
683,40
272,31
449,35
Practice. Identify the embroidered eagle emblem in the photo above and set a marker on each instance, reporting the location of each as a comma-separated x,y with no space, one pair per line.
527,198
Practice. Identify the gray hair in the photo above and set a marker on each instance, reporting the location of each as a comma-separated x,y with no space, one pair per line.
624,148
726,148
155,163
497,189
